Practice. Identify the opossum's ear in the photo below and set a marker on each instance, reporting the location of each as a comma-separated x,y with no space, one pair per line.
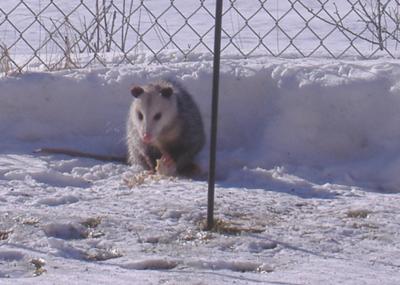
137,91
166,92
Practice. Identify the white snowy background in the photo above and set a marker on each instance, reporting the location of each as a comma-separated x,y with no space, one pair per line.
308,177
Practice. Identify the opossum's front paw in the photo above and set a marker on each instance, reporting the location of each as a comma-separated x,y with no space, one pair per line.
167,160
166,166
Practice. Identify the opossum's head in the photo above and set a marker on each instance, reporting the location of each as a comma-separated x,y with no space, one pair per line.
154,110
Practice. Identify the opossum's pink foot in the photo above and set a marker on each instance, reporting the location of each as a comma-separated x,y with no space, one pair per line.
167,160
166,166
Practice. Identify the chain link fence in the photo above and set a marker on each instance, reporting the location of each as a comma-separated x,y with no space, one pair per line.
56,34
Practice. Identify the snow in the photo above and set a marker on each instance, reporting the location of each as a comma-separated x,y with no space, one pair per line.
307,164
307,190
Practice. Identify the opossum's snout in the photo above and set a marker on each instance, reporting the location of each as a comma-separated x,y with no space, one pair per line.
147,138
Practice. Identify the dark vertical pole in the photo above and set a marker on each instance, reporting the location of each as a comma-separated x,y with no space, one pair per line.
214,114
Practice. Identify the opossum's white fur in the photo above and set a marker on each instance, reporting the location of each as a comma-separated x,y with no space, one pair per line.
167,114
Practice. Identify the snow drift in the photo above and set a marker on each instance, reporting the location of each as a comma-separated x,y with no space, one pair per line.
322,121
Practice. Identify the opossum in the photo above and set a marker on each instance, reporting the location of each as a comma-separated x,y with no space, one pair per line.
164,130
164,124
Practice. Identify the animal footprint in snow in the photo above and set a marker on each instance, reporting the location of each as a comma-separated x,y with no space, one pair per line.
166,166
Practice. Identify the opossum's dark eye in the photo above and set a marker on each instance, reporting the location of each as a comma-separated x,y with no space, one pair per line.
157,116
140,116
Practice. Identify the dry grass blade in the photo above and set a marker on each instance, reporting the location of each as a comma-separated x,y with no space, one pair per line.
358,213
5,234
228,228
39,264
91,222
5,62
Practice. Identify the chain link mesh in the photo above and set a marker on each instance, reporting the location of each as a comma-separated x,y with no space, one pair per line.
55,34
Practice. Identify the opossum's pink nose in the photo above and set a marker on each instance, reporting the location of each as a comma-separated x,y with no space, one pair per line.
147,138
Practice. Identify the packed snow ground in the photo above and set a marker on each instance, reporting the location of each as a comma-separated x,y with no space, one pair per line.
307,193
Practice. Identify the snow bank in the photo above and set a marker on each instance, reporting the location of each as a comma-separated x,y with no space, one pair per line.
326,121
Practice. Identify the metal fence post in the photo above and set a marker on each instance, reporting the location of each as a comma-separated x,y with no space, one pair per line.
214,114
